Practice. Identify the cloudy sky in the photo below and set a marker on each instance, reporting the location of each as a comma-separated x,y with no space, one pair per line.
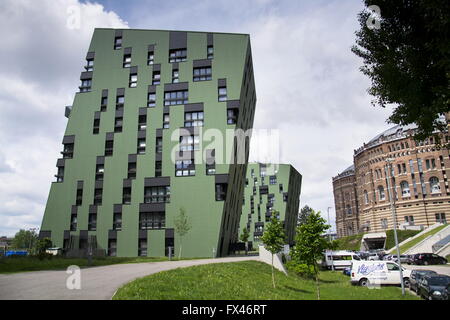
304,46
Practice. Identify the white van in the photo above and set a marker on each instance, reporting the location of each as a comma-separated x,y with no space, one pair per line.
339,259
367,273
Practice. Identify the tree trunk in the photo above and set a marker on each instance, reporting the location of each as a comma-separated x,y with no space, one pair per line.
181,247
273,274
317,281
246,248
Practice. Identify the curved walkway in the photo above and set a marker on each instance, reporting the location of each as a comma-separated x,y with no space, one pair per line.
97,283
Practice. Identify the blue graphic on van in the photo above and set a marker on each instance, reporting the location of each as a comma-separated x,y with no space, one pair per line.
367,269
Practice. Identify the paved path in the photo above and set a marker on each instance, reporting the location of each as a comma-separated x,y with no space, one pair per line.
442,269
97,283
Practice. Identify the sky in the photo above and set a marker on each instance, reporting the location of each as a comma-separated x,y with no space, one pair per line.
308,84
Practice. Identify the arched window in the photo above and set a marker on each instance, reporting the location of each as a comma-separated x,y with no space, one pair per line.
349,209
366,197
434,185
404,186
381,193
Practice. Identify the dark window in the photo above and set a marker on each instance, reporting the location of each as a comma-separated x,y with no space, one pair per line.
85,85
281,187
79,197
73,222
120,100
109,144
232,116
103,103
133,80
118,122
89,65
151,100
222,93
190,143
117,221
210,52
99,171
175,97
112,247
202,74
92,222
118,43
141,144
142,122
184,168
131,170
67,152
152,220
273,180
159,145
156,78
193,119
166,121
96,127
158,168
142,248
175,76
221,191
150,58
177,55
159,194
127,60
126,195
98,192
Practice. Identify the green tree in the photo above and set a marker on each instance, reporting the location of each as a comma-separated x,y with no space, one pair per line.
310,244
24,239
244,238
273,238
407,58
41,246
304,213
182,227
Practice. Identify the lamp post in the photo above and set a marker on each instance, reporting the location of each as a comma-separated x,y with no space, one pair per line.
329,238
388,172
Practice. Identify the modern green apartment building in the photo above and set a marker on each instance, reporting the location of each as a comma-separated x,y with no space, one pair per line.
143,140
269,188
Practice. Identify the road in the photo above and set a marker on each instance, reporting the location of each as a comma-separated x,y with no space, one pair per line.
97,283
442,269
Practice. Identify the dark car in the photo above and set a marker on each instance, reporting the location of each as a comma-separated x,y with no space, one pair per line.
432,287
446,295
416,276
428,258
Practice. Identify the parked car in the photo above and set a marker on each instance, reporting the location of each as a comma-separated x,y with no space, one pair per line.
416,277
409,259
403,258
373,257
387,257
339,259
432,287
446,295
367,273
347,271
428,258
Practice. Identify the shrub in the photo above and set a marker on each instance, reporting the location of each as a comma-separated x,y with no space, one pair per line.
300,269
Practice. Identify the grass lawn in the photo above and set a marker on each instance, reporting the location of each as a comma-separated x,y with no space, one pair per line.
402,235
412,243
350,242
20,264
250,280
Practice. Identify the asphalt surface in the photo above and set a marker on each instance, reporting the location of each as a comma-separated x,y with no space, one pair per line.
97,283
442,269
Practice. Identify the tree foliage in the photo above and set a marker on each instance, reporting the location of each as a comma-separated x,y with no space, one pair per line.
407,58
304,213
310,244
182,226
274,239
24,239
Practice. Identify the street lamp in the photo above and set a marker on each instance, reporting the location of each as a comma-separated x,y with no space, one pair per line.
329,238
388,168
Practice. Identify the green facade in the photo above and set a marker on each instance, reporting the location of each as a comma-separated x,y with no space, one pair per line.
280,182
117,224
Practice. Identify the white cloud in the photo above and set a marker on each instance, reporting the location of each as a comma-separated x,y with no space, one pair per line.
42,60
